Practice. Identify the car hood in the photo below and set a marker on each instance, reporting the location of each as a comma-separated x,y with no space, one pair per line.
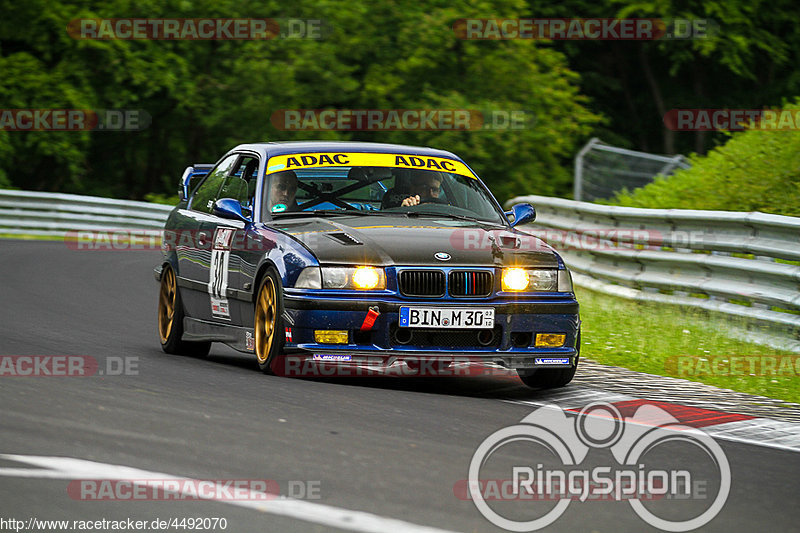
385,241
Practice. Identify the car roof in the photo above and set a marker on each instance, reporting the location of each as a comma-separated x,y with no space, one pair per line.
270,149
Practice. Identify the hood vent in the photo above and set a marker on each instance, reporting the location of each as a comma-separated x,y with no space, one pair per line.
344,238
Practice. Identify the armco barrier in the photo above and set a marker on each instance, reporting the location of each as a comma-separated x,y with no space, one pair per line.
741,264
43,213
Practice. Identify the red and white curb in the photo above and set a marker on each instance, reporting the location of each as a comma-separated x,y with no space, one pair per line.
721,425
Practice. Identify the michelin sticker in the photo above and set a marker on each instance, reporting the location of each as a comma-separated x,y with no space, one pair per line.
218,277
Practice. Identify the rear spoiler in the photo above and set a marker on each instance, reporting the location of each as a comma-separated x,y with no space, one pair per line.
198,170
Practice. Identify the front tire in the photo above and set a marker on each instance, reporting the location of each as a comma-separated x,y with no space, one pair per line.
170,319
552,378
269,322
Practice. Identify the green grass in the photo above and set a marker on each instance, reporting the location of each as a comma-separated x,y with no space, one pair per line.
650,337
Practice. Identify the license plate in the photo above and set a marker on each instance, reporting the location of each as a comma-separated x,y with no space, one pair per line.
447,317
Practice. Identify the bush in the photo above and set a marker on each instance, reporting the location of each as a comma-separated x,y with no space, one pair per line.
756,170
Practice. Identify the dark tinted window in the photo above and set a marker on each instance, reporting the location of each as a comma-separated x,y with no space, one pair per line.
206,194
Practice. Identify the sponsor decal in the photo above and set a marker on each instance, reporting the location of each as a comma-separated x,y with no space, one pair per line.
552,360
313,160
332,357
249,341
288,334
218,273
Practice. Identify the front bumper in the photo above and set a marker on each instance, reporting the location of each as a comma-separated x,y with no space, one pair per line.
512,338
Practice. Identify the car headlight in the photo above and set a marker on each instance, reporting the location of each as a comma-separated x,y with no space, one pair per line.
564,281
358,278
517,279
309,278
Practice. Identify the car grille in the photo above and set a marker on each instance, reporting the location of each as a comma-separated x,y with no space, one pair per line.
470,283
426,283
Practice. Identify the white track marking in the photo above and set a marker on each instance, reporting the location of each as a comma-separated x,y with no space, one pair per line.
70,468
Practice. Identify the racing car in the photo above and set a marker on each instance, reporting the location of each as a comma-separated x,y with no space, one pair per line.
361,256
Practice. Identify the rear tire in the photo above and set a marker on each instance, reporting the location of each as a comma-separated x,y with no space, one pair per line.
552,378
269,337
170,319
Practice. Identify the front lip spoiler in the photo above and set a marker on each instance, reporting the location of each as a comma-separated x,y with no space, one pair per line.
377,360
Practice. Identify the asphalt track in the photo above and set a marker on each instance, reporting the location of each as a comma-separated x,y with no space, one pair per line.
384,454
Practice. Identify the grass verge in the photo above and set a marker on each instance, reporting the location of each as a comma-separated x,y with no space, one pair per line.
681,342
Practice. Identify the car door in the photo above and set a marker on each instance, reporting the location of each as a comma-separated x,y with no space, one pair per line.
194,245
228,238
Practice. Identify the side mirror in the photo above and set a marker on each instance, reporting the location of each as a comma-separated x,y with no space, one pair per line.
230,209
522,213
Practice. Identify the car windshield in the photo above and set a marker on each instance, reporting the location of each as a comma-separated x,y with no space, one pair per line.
378,190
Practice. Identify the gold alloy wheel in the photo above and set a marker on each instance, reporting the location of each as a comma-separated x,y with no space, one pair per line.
166,304
266,313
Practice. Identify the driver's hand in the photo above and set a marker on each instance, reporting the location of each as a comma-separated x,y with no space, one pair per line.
411,200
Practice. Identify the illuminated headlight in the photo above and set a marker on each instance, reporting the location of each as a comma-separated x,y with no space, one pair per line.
529,280
564,281
515,279
361,278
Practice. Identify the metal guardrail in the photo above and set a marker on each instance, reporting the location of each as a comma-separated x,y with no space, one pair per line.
741,264
56,214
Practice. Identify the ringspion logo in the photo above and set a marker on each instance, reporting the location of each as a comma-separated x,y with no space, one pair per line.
557,445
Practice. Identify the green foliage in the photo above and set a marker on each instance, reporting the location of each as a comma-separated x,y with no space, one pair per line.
205,97
756,170
166,199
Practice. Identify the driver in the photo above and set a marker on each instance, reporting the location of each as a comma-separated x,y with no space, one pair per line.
282,191
428,186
